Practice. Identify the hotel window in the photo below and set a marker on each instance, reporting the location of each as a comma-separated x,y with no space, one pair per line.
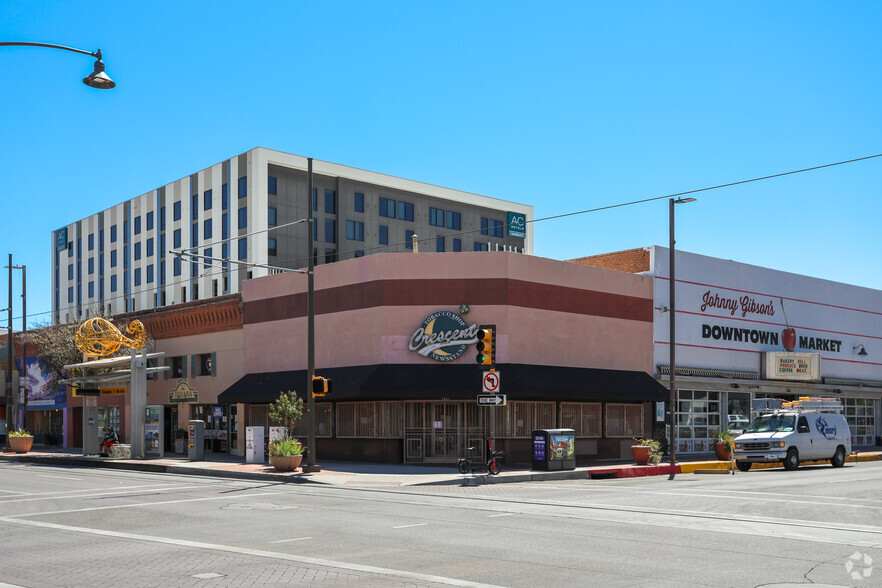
150,247
359,202
481,247
243,217
162,245
70,249
271,185
387,207
101,240
162,278
330,231
176,238
408,239
113,283
137,229
436,217
113,233
150,274
243,186
194,235
454,220
405,211
359,253
177,266
496,228
315,229
225,197
177,211
91,289
330,202
194,206
384,235
330,255
225,226
162,218
271,247
137,276
225,253
91,265
70,270
206,200
137,251
457,244
206,229
243,248
194,273
207,254
354,230
439,244
113,258
315,199
149,221
485,223
91,242
70,294
271,216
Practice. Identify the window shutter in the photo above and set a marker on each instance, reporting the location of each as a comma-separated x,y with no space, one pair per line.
183,366
214,364
194,366
166,362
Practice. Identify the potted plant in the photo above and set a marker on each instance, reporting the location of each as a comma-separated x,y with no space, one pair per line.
180,437
20,441
286,454
723,443
646,451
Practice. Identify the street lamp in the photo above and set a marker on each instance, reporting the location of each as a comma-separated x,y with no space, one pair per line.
97,79
672,343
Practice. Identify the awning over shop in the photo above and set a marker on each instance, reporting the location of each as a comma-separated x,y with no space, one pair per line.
459,382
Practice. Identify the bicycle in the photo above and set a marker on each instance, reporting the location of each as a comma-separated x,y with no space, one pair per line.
471,463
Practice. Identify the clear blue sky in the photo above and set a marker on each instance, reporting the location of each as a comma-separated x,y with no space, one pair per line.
566,106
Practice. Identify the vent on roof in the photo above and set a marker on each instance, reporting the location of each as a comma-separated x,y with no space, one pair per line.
709,373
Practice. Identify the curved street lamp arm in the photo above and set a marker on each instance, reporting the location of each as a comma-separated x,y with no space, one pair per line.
96,54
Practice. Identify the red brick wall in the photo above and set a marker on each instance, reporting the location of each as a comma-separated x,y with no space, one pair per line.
632,260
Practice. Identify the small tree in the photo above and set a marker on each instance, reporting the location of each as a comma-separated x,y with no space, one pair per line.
287,410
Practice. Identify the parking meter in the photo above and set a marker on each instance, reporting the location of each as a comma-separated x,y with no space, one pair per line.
196,440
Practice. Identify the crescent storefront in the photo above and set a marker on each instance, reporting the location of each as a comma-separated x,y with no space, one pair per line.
746,333
396,334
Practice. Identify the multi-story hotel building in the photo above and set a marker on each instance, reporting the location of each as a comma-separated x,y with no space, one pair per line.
244,209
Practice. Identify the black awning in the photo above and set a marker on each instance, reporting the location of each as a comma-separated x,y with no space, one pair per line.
460,382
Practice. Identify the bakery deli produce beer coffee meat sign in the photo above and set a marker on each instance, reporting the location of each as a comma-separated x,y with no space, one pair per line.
804,367
443,336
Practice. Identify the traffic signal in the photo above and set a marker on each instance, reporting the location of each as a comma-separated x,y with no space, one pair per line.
321,386
486,345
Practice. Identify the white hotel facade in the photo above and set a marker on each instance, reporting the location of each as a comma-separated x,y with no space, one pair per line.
121,259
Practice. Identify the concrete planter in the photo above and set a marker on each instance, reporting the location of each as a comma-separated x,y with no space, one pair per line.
285,463
21,444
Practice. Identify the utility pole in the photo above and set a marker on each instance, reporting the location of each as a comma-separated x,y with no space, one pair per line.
310,332
10,407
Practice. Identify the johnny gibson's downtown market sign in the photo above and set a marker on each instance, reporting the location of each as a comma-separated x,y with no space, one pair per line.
443,336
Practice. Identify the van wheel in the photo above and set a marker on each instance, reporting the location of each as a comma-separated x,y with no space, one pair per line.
791,462
838,459
743,466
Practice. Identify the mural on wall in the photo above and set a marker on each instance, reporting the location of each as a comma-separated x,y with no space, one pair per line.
41,389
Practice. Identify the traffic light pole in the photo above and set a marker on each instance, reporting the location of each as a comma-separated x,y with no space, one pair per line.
310,334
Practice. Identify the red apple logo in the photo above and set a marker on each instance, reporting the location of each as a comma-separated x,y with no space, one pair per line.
788,338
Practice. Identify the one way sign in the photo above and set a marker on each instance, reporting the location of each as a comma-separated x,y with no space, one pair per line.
491,399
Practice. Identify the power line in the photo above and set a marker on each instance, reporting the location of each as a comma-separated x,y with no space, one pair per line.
462,233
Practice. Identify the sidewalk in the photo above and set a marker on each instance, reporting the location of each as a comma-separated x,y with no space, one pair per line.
379,475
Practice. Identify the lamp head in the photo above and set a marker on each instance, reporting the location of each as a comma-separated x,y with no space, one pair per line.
863,350
99,79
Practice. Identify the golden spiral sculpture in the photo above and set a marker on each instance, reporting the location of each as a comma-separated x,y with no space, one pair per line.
98,336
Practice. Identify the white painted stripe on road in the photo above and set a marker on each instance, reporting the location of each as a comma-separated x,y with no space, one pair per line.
256,553
288,540
140,504
409,526
502,514
59,495
59,477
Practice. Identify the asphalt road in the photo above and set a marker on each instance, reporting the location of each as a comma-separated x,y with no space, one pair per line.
81,527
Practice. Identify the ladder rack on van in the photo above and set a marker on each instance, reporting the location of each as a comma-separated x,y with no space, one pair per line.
807,404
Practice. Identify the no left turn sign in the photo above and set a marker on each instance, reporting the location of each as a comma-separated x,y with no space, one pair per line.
490,382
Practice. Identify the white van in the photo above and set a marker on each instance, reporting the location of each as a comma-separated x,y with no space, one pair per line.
800,431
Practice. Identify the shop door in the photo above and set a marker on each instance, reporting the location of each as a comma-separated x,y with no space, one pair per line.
445,437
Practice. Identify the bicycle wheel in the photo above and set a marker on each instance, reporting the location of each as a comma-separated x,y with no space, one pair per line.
492,467
464,466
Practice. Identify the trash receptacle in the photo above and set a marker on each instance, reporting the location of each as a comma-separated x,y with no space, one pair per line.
554,449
